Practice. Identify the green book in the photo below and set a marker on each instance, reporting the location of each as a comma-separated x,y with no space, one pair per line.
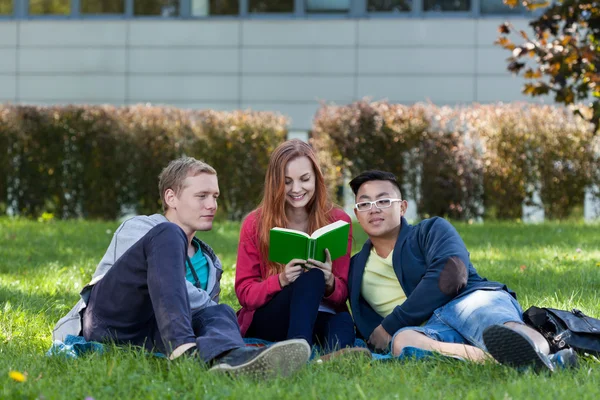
287,244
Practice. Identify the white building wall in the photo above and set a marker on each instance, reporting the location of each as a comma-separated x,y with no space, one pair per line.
280,65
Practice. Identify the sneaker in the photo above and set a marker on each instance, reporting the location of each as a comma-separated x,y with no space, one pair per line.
513,348
279,359
347,352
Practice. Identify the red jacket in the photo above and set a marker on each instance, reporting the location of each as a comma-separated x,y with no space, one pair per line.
254,289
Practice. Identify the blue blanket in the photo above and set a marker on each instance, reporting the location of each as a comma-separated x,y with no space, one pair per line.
75,346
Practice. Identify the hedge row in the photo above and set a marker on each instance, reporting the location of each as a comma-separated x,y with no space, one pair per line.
464,162
97,161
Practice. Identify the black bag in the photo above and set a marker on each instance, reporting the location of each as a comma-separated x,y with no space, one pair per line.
564,329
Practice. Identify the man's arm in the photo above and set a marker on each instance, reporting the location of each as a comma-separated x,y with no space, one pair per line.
446,259
126,235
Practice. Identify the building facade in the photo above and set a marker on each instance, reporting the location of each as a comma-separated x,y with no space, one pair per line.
277,55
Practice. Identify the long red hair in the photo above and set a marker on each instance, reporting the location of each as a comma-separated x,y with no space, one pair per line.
271,210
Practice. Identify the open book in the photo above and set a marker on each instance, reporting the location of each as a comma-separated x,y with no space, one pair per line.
287,244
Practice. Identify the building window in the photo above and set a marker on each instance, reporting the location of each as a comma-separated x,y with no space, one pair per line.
6,7
498,7
204,8
102,6
389,5
49,7
271,6
163,8
327,6
447,5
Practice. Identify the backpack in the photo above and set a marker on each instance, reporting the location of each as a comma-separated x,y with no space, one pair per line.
565,329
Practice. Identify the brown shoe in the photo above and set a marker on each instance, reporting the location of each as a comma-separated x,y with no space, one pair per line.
347,352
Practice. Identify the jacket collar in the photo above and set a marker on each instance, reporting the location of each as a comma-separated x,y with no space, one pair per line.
405,229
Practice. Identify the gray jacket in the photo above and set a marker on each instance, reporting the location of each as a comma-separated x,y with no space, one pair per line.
128,233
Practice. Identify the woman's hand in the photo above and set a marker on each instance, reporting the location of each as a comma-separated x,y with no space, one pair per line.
326,267
291,272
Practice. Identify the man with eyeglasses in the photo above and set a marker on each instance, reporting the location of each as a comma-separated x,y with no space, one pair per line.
415,293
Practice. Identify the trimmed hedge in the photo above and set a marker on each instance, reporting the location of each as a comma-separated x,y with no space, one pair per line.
461,162
92,161
98,161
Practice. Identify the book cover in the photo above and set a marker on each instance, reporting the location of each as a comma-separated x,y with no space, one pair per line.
287,244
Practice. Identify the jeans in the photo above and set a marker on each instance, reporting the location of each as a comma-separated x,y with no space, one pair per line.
464,319
143,300
294,313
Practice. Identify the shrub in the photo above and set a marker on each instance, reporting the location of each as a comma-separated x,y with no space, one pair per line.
238,145
458,162
365,136
451,169
529,148
426,153
6,140
98,161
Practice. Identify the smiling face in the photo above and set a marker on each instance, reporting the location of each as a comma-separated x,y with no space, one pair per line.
378,222
194,207
299,182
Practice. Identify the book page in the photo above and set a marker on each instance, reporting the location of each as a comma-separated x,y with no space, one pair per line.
292,231
327,228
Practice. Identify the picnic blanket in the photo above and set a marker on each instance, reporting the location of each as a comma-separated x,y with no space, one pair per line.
76,346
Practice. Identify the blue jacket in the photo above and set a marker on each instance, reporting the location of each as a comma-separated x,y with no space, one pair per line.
433,267
126,235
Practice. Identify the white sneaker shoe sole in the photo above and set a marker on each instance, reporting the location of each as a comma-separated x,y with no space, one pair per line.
279,359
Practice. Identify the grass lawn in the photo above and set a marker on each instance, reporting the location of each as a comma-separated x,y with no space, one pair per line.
44,265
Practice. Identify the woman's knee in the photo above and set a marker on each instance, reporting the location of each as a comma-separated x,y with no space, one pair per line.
345,319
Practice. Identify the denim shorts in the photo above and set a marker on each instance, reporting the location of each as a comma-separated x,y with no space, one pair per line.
464,319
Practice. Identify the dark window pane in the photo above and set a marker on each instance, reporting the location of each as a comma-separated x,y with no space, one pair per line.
447,5
389,5
271,6
327,6
498,7
6,7
164,8
49,7
103,6
203,8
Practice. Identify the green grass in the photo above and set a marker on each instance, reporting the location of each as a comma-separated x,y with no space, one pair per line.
44,265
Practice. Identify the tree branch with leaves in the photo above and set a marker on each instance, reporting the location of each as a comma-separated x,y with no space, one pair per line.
566,54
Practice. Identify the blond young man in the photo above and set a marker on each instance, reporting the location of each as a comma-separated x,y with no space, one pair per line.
157,286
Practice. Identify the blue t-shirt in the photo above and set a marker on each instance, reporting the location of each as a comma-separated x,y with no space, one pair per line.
200,265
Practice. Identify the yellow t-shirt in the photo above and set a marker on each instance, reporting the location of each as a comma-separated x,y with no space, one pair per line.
380,286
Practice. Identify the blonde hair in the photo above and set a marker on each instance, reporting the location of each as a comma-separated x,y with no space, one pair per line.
173,175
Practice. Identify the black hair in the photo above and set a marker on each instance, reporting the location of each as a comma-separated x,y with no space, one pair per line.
373,175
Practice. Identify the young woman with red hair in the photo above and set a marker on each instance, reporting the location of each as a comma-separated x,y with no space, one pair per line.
305,299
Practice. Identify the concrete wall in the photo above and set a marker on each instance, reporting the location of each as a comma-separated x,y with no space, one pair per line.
284,65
